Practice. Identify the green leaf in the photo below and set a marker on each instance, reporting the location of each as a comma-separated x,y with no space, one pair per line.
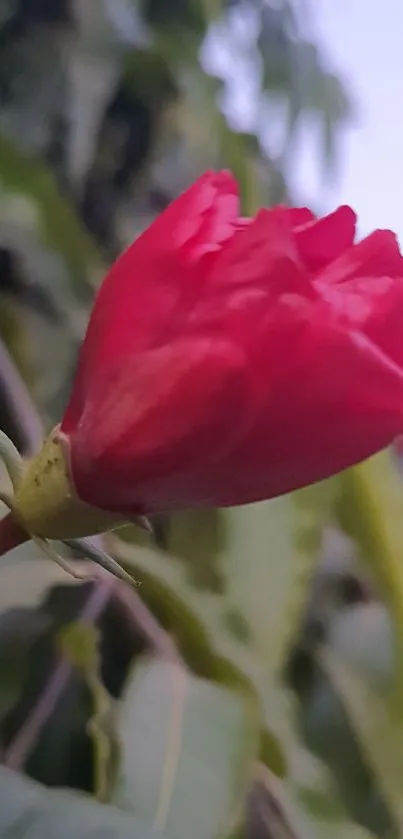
30,811
198,538
187,751
271,754
244,163
18,630
270,553
378,725
80,645
321,804
370,510
61,228
61,750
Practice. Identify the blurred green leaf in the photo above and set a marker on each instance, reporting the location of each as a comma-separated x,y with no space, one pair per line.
58,750
198,538
80,645
19,628
350,783
271,755
378,726
188,747
30,811
270,553
60,226
13,333
193,617
369,508
321,804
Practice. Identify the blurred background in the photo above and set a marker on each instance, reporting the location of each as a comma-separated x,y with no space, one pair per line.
264,646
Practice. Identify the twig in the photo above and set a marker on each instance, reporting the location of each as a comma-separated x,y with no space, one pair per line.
143,621
25,414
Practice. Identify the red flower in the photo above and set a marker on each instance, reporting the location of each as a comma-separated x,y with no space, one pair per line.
229,360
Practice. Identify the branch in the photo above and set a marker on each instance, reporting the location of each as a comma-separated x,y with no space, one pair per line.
24,414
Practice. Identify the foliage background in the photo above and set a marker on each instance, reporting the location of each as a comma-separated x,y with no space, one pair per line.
251,686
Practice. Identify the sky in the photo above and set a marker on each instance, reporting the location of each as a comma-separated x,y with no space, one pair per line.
363,43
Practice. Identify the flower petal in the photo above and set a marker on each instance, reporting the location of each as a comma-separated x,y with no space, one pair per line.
260,255
375,307
300,216
149,288
365,291
332,400
153,423
322,241
377,255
